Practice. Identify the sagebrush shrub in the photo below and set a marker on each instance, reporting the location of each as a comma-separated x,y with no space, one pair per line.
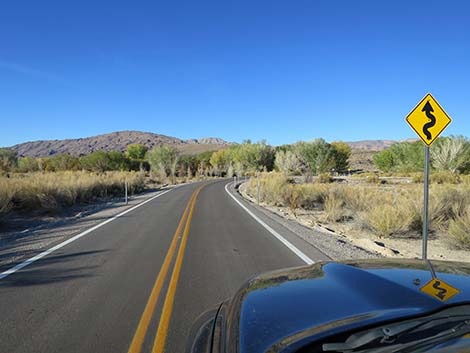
386,219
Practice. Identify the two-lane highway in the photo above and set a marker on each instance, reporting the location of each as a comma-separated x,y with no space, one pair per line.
137,283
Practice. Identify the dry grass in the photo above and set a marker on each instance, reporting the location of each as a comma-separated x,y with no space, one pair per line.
292,196
312,195
49,192
386,209
335,205
459,231
325,178
272,186
387,218
438,178
6,196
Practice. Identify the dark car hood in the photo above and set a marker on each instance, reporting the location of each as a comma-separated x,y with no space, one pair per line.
278,311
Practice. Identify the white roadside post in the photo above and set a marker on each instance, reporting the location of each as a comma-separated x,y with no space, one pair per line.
428,120
125,192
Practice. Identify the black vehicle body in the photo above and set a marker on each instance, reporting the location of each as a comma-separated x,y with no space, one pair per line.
294,309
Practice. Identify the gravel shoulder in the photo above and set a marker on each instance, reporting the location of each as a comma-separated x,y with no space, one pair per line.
335,246
322,233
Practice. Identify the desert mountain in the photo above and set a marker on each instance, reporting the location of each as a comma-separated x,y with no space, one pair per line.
116,141
375,145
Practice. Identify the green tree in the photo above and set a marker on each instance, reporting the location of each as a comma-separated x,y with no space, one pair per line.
97,161
187,165
136,152
283,148
62,162
384,160
251,157
8,159
163,160
288,163
341,153
204,166
221,161
28,164
118,161
317,156
401,157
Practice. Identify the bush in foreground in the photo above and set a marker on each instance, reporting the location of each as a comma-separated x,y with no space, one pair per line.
386,219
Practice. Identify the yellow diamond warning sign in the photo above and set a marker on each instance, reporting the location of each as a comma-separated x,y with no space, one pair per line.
428,119
439,290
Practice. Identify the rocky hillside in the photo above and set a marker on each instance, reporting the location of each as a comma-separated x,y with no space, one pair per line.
362,152
115,141
375,145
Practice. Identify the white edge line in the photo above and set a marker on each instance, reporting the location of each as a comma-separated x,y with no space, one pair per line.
78,236
283,240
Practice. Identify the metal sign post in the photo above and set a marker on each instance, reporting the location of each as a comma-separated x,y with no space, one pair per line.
426,202
428,120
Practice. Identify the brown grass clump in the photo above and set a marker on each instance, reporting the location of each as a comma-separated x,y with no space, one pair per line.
278,190
459,231
312,195
436,211
465,179
292,196
439,178
373,179
325,178
334,208
6,196
271,186
445,203
387,218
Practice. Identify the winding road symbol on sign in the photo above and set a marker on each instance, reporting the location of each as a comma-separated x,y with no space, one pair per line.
428,110
439,289
428,119
441,292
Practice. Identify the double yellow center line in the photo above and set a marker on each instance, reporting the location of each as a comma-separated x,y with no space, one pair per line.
162,331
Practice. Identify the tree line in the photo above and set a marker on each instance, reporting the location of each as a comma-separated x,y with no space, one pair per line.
446,154
301,158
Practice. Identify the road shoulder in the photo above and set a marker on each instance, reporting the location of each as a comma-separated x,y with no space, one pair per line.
313,243
21,245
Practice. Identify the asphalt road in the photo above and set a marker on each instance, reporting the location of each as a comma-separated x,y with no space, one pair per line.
137,283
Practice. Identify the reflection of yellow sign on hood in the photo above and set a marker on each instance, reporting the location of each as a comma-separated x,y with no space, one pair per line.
439,290
428,119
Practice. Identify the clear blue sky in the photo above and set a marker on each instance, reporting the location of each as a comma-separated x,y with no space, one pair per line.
277,70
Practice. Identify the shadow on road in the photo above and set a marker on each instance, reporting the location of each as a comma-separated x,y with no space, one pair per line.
53,269
22,246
